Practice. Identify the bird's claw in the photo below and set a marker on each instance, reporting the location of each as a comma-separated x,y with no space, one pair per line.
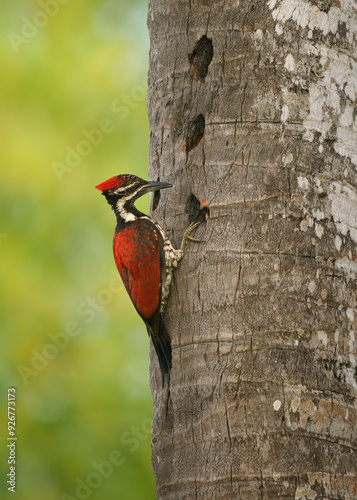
193,239
187,237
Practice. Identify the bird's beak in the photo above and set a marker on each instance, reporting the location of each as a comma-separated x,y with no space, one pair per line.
154,186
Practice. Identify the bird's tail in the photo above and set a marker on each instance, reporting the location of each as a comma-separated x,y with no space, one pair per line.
162,344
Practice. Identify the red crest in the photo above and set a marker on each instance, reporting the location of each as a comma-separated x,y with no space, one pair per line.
113,182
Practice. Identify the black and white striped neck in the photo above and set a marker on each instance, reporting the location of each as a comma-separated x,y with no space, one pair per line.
126,213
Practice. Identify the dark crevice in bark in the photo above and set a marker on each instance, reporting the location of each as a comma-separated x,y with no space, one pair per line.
201,57
195,132
194,210
156,198
324,5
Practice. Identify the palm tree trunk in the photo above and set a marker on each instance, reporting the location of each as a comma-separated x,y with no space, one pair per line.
252,106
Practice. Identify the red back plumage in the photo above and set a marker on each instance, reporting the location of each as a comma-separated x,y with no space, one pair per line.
137,251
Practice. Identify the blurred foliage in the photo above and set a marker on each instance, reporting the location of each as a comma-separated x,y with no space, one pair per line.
73,113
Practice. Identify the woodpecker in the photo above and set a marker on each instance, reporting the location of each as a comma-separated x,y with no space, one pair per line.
144,256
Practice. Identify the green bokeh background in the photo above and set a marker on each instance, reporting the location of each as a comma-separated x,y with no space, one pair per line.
62,74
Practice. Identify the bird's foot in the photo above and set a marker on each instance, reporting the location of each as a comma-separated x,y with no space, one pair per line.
187,235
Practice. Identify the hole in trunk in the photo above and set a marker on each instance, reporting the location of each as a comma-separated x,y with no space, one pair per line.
195,211
201,57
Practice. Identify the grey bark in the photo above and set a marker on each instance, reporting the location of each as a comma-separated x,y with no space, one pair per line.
262,312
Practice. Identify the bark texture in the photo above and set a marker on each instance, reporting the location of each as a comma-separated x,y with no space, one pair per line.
252,106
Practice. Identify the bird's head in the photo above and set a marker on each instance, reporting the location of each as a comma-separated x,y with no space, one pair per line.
121,191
